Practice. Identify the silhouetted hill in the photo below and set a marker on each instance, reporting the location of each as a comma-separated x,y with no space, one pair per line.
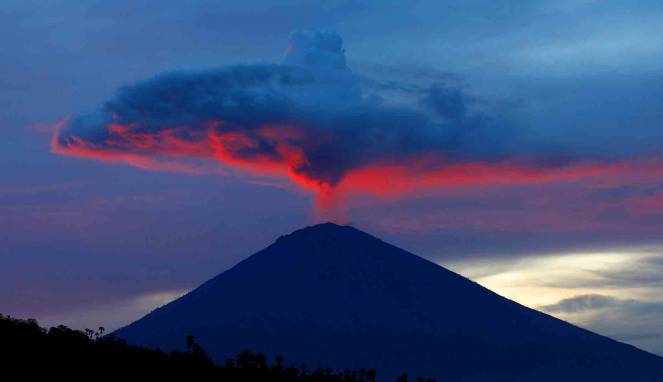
333,295
28,352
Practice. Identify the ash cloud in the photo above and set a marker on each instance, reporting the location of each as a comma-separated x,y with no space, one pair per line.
308,118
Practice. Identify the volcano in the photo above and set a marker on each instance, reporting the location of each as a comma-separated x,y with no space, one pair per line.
334,296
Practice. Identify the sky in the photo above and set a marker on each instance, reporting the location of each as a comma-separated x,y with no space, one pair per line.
148,146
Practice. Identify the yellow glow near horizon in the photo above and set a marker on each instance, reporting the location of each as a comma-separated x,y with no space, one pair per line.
543,280
633,277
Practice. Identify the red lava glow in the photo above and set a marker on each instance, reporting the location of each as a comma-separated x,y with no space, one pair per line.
165,149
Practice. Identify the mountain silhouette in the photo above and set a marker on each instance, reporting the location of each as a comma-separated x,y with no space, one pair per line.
334,296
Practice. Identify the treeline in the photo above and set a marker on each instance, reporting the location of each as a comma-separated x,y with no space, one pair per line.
30,350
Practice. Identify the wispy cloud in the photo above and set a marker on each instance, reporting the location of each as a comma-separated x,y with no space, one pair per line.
584,302
626,319
112,315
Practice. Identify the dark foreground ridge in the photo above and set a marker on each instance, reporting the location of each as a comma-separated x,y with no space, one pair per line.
29,351
331,295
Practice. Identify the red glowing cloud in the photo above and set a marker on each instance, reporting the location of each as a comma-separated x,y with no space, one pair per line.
400,178
165,148
310,121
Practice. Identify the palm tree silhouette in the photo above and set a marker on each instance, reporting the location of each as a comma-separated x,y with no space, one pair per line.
190,341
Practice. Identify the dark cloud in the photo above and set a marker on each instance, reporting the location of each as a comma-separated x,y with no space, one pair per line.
582,303
630,320
311,119
647,271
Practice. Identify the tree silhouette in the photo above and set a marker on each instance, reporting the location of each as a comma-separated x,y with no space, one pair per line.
190,341
279,362
68,353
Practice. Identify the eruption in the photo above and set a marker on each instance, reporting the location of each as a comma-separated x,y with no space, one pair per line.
310,119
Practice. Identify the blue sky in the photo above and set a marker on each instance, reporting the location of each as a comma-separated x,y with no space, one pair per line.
572,83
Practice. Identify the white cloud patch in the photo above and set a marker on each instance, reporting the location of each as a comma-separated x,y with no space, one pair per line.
115,314
614,294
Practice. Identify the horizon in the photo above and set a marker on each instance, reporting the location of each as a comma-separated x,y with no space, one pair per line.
150,147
